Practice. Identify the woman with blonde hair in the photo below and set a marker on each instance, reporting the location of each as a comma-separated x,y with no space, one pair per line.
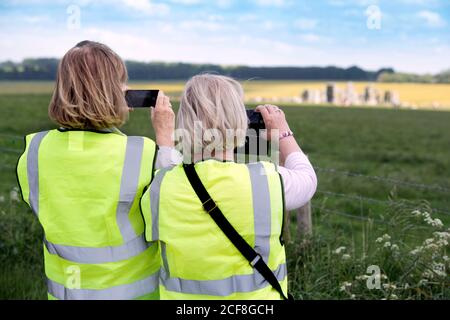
219,222
84,180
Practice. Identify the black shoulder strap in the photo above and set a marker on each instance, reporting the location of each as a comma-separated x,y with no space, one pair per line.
244,248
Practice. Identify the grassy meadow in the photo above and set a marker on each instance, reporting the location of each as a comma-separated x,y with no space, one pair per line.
383,197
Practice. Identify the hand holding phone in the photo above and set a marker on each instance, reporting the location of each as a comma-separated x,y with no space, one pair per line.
163,120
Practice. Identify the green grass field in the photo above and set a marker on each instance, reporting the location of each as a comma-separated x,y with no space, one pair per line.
375,166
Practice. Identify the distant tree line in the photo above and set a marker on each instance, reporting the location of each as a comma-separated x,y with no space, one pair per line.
45,69
443,77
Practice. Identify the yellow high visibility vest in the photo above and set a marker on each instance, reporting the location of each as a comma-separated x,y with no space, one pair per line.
84,187
198,261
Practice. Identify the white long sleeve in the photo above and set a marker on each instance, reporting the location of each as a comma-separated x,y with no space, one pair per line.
167,157
299,180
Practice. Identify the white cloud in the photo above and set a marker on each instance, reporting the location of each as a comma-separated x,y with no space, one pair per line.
267,3
215,18
267,25
187,2
350,3
224,3
310,37
431,19
147,6
420,2
305,24
248,17
200,25
24,19
35,19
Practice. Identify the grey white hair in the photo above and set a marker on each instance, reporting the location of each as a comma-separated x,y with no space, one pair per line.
214,102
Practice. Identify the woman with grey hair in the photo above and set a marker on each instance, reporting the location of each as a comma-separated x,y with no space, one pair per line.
220,222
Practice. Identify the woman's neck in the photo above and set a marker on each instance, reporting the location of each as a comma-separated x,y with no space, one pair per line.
227,155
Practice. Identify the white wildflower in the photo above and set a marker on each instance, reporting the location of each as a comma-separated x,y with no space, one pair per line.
387,244
345,286
427,274
442,243
433,247
393,297
346,257
339,250
437,223
389,286
14,194
442,235
439,269
385,237
362,277
423,282
2,198
417,213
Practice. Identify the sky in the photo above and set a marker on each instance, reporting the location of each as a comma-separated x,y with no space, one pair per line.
408,35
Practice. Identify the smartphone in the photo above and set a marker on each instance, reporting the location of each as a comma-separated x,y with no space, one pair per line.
254,143
141,98
255,120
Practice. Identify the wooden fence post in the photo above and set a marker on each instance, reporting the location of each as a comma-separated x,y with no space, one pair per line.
304,221
287,227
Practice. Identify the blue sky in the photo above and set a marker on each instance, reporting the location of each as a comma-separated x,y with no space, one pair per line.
414,35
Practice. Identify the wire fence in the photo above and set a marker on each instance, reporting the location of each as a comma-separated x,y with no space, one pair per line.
11,150
11,136
349,215
7,168
329,193
361,198
384,179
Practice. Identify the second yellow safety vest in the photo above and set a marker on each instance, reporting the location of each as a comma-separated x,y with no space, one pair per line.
197,260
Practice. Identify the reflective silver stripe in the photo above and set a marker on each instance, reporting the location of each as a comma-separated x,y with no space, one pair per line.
262,212
129,185
155,193
33,170
99,255
123,292
222,287
164,258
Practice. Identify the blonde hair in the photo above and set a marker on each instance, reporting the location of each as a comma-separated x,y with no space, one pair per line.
89,88
216,102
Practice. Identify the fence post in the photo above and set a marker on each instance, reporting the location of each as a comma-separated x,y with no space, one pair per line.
304,220
287,227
